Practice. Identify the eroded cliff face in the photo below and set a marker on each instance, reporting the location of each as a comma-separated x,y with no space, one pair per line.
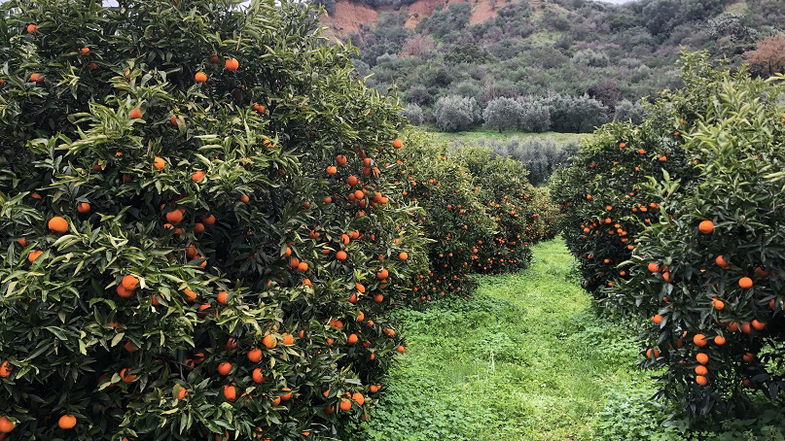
349,15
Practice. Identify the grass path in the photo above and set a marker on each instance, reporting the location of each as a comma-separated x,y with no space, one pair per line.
524,359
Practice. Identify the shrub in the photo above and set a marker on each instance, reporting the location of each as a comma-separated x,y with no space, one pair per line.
413,114
158,222
535,116
627,111
502,114
540,157
575,114
454,113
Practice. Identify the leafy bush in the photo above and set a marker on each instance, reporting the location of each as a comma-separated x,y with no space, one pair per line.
454,113
628,111
413,114
502,114
535,116
179,182
575,114
540,157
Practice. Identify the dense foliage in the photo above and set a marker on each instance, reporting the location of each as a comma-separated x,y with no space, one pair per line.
568,47
702,264
199,239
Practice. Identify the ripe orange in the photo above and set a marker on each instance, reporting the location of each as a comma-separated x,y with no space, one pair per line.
382,274
721,262
257,376
224,368
700,340
269,341
745,283
374,388
701,380
136,113
403,255
6,425
159,163
181,393
244,198
58,224
345,405
341,255
358,398
701,370
657,319
37,78
400,349
758,325
397,143
254,355
352,339
302,267
5,369
232,64
83,207
331,170
719,340
200,77
66,422
287,339
34,255
197,176
653,267
749,357
702,358
189,294
126,376
719,305
130,282
209,219
706,227
223,297
230,392
122,292
31,28
175,216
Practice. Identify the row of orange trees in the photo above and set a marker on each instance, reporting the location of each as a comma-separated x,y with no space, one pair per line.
205,218
678,222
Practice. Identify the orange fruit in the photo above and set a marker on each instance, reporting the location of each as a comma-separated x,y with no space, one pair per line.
719,305
358,398
200,77
224,368
700,340
209,219
701,380
189,294
657,319
288,339
230,392
749,357
36,78
758,325
136,113
702,358
197,176
175,216
5,369
302,267
122,292
83,207
6,425
382,274
244,198
126,376
232,64
257,376
706,227
397,143
403,255
31,28
270,341
374,388
181,393
745,283
66,422
345,405
34,255
400,349
719,340
352,339
341,255
159,163
58,224
130,282
721,262
653,267
254,355
701,370
223,297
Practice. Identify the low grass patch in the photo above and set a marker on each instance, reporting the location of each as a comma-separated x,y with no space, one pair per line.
526,358
480,135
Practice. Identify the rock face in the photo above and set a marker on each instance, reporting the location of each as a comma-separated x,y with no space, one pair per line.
349,15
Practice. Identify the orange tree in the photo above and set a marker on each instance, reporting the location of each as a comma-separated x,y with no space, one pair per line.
708,274
602,198
200,236
454,220
508,198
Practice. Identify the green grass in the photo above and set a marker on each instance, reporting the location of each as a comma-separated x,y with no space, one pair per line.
483,135
524,359
527,359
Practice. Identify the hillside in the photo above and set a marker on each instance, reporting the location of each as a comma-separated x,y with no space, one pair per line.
483,49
